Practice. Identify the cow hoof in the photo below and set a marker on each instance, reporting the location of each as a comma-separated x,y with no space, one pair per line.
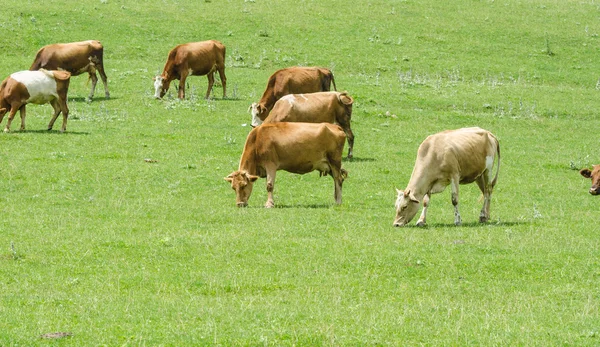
421,224
459,223
269,205
483,220
6,130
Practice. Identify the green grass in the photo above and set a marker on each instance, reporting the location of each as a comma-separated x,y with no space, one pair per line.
123,232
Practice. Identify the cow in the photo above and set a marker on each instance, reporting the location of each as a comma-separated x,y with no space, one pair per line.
294,147
451,157
37,87
594,174
197,59
76,58
292,80
321,107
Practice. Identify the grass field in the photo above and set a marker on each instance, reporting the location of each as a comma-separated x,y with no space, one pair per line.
122,231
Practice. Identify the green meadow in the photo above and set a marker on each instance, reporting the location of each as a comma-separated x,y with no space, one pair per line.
122,231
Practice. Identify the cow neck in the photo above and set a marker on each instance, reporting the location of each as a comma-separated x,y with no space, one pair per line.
419,185
248,163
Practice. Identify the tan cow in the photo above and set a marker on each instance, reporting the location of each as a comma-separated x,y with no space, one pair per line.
594,174
196,59
294,147
75,57
451,157
292,80
37,87
321,107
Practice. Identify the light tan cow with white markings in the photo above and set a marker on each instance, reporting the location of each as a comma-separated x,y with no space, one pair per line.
451,157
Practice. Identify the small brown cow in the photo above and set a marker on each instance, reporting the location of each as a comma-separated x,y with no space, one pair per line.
594,174
197,59
451,157
76,58
321,107
37,87
294,147
292,80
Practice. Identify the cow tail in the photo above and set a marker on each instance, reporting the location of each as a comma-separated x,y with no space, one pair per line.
497,167
333,82
37,62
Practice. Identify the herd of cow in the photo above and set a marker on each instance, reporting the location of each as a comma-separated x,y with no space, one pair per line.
299,125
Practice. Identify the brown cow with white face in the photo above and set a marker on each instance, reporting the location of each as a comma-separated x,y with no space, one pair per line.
321,107
75,57
196,59
294,147
451,157
37,87
292,80
594,174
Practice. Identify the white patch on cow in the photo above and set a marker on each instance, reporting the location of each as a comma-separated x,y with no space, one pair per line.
255,119
489,164
41,85
158,82
290,98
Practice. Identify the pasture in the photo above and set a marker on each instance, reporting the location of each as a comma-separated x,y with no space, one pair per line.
122,231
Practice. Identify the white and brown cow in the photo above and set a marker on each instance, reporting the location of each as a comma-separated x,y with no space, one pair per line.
451,157
292,80
196,59
37,87
76,58
321,107
594,174
294,147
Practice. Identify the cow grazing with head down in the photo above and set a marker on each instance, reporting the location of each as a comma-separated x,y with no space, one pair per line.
451,157
594,174
37,87
292,80
294,147
76,58
321,107
196,59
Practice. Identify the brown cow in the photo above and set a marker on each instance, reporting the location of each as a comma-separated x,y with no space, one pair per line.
594,174
451,157
197,59
294,147
37,87
292,80
75,57
321,107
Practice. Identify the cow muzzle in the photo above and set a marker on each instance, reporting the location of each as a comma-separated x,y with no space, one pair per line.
595,190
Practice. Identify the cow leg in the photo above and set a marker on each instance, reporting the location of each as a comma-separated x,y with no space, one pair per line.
271,172
211,82
56,108
94,79
100,69
484,186
62,103
454,184
181,92
423,218
23,113
11,115
223,81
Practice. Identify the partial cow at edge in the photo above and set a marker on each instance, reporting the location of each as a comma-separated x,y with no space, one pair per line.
594,174
76,58
294,147
291,80
321,107
196,59
451,157
37,87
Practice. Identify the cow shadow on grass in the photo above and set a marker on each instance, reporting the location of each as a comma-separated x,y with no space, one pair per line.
85,99
358,160
307,206
473,224
53,132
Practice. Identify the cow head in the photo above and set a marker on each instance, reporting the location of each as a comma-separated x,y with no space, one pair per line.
161,86
406,208
242,182
594,174
259,113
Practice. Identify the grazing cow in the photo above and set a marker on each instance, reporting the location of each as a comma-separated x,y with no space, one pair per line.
322,107
197,59
75,57
37,87
594,174
294,147
292,80
451,157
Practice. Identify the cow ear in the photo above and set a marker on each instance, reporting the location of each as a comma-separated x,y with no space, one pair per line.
252,178
229,179
412,198
398,191
584,172
3,110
